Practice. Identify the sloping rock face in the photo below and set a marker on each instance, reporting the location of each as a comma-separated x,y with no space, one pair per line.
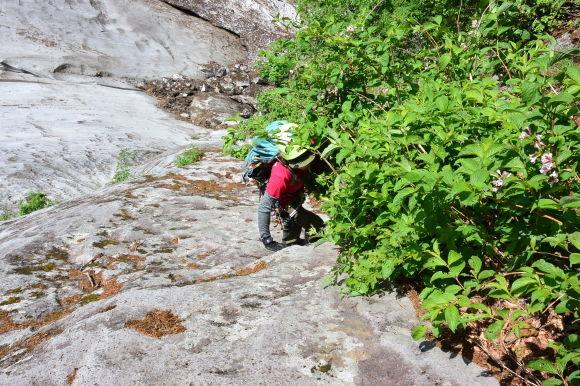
66,109
110,38
64,138
249,19
161,280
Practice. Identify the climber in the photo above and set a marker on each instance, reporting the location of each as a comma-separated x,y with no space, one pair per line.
285,195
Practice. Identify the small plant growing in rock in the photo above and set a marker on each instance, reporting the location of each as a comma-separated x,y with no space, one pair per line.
33,202
6,216
191,155
123,172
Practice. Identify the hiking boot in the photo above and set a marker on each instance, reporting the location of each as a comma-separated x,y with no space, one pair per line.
272,245
301,242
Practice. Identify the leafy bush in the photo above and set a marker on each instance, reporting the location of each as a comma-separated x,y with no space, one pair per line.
189,156
33,202
454,159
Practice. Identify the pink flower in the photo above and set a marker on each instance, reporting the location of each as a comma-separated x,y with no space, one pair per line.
547,163
500,180
545,169
350,28
526,133
533,158
547,158
539,142
475,24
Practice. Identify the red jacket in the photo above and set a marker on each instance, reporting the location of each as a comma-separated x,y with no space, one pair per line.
282,187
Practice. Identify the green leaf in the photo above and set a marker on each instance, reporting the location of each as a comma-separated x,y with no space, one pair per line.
444,60
452,317
574,73
475,263
442,103
574,238
486,274
552,382
574,258
546,203
453,256
530,92
453,289
562,307
543,365
522,285
328,150
570,202
493,330
419,332
479,178
546,267
456,269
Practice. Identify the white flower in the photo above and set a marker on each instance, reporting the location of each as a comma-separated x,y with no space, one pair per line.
533,158
350,28
475,24
523,135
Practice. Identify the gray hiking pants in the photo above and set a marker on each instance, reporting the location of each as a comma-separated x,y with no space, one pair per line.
302,219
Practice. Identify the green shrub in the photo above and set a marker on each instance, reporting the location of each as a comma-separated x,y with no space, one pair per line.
189,156
455,165
33,202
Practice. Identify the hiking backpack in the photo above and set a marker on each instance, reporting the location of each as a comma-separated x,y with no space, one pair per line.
259,161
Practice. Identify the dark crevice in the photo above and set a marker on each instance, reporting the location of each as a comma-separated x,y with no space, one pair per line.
7,67
189,12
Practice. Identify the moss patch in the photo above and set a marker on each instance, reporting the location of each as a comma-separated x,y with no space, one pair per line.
35,268
11,300
57,254
89,298
104,243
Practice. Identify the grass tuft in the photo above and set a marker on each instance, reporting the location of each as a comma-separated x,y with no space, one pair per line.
191,155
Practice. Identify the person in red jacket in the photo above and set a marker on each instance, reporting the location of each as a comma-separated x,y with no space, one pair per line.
285,194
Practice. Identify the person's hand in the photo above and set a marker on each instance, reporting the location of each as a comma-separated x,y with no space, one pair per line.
272,245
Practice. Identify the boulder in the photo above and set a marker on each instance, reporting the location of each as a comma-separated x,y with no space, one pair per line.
251,20
211,109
